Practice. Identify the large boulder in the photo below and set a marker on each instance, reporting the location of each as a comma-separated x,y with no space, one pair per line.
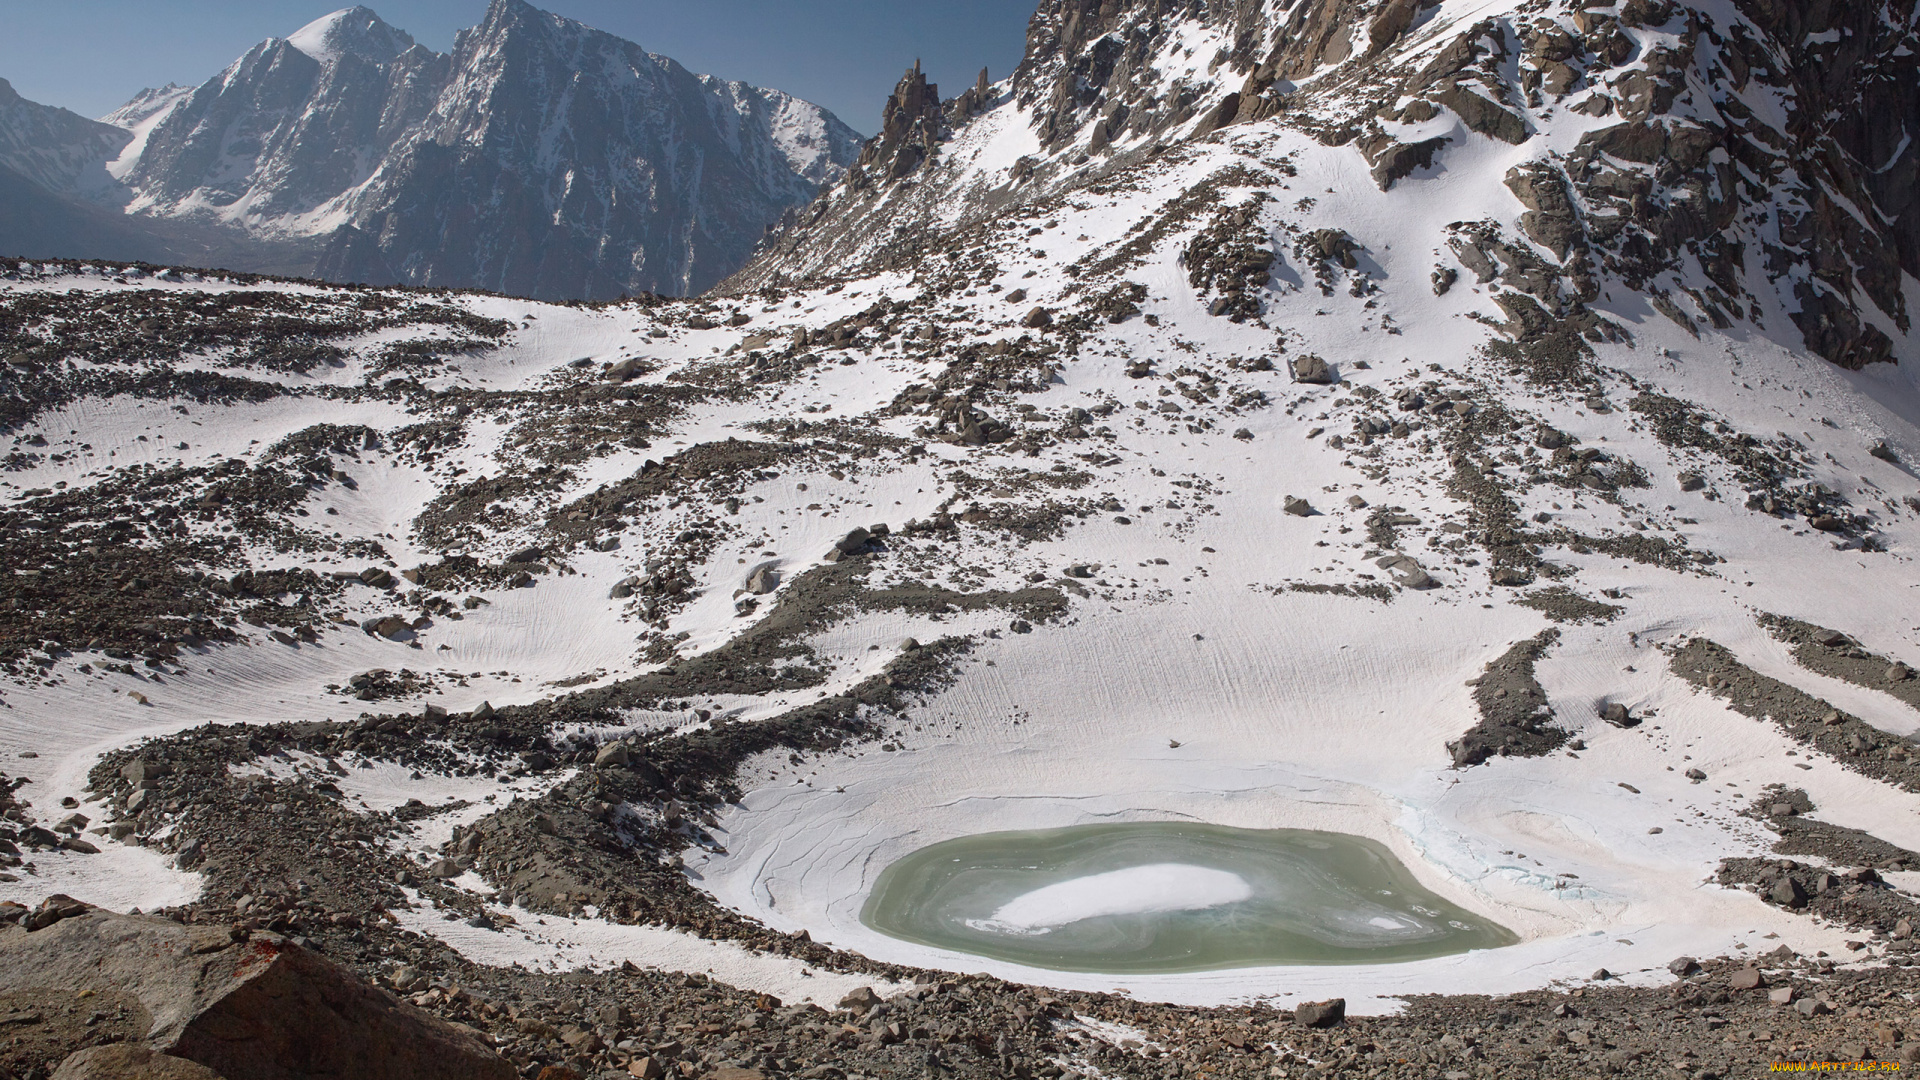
1406,571
1312,369
1481,113
249,1006
1321,1014
1394,161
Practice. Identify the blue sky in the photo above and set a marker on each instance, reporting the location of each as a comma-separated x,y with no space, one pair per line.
92,55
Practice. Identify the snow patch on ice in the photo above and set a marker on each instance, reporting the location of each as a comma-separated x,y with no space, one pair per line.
1153,889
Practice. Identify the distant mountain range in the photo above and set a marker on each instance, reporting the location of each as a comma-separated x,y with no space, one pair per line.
539,157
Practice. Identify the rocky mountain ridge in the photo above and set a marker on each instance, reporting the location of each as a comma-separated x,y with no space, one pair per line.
1706,157
54,148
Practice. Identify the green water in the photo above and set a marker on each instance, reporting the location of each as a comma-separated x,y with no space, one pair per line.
1168,897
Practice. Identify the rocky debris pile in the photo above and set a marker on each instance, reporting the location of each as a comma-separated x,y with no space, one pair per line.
1562,604
1495,453
978,373
714,470
285,852
1762,466
265,329
1850,742
1594,470
1854,897
1231,261
1515,719
17,829
175,981
1832,653
1823,508
21,837
240,1004
1783,810
54,602
380,684
962,424
556,430
1116,304
1772,1006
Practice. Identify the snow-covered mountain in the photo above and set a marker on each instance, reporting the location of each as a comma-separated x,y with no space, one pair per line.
539,157
54,148
1486,428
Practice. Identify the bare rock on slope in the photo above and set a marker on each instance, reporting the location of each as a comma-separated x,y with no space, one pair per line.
259,1007
126,1061
1551,220
1515,719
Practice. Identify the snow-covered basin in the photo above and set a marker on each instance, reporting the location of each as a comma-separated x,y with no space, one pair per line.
1293,725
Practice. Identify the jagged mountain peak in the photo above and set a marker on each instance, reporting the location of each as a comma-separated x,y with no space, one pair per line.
511,22
145,104
500,11
355,31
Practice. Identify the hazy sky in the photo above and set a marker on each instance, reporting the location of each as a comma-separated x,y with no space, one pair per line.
92,55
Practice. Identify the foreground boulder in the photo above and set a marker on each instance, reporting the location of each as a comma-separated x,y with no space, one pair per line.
254,1006
125,1061
1321,1014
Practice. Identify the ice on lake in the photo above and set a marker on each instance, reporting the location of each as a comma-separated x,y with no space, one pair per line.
1167,896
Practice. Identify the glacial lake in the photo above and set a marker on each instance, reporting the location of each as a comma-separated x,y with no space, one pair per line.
1170,897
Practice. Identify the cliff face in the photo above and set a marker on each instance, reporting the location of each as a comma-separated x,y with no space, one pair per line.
1847,163
1705,155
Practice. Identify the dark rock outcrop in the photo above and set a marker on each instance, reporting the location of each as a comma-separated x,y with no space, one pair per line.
910,129
353,257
